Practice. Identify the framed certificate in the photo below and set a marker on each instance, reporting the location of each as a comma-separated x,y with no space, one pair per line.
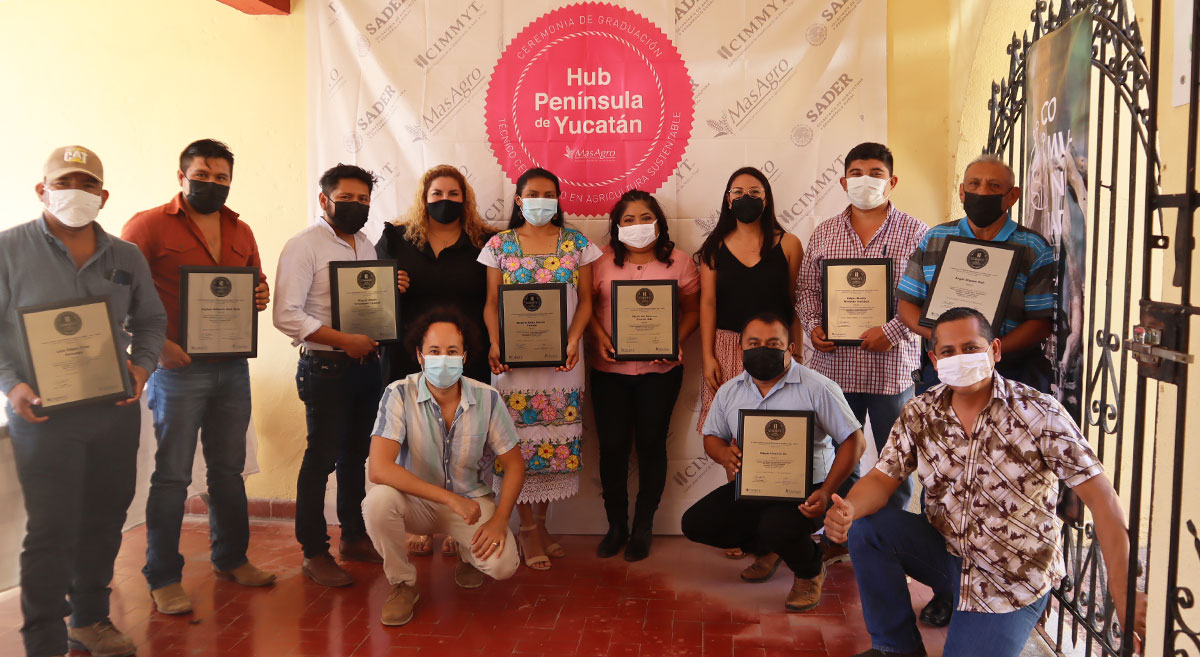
972,274
364,298
777,455
533,325
645,320
73,354
856,294
217,314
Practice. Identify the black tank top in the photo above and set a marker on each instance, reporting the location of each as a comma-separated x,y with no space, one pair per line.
743,292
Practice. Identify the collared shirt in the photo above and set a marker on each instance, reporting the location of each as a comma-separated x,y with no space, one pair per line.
855,369
36,269
993,495
302,303
605,270
1033,290
453,457
800,389
169,239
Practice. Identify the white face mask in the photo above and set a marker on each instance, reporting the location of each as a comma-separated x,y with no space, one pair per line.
539,211
965,370
865,192
73,207
637,235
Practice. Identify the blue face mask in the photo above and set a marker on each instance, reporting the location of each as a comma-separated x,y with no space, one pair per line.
443,371
539,211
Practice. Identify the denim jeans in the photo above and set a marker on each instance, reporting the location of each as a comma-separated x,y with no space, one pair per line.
890,544
341,400
77,471
209,399
883,409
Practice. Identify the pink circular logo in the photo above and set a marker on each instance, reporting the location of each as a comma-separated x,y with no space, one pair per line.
598,95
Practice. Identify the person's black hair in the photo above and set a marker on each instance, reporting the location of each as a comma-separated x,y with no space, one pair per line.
960,312
207,149
769,317
414,339
662,248
870,150
727,222
517,219
330,179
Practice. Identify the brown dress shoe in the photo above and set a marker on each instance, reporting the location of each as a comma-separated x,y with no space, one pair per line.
323,570
359,550
398,609
805,593
101,639
762,569
467,576
246,575
834,553
171,599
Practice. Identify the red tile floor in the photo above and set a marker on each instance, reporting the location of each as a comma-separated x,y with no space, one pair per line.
686,599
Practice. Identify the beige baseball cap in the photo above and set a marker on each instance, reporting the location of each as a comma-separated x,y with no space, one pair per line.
69,159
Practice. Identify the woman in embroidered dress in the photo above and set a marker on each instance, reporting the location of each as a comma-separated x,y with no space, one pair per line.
544,402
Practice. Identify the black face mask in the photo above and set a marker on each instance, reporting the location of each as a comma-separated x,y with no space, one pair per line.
445,211
764,363
206,197
747,208
983,209
349,216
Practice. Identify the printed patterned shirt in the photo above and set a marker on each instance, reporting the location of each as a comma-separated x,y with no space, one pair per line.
993,496
855,369
452,458
1033,290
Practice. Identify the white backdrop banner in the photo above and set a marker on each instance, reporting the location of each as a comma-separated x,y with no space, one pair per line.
666,96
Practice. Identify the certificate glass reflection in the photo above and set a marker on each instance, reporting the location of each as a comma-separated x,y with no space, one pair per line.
972,274
533,325
217,312
364,298
777,455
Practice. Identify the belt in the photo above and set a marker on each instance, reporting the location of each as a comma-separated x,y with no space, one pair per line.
323,354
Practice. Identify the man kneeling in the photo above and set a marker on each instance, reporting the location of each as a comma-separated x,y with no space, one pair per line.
426,455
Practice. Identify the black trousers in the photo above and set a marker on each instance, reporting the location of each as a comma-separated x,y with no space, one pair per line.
633,411
341,400
758,528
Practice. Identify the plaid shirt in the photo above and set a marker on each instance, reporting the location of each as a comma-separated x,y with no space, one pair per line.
855,369
993,495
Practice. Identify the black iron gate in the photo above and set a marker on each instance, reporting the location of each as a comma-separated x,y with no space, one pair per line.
1132,340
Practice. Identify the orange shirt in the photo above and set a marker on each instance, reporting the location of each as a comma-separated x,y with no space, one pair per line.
169,239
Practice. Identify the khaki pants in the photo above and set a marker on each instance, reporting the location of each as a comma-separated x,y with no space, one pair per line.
389,514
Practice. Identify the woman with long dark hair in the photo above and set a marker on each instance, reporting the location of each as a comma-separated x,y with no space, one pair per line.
634,399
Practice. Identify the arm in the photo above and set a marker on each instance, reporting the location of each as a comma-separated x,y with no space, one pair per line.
708,326
491,317
689,315
601,337
725,453
583,315
794,251
848,455
869,494
147,323
262,292
1028,334
1112,533
909,314
20,394
808,297
383,470
295,275
897,330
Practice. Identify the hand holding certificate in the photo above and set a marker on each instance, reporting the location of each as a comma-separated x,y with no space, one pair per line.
364,298
777,455
218,311
645,320
533,325
857,294
972,274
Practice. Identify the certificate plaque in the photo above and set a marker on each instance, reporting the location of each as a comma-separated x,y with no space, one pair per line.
217,314
73,354
777,455
533,325
972,274
645,320
364,298
856,294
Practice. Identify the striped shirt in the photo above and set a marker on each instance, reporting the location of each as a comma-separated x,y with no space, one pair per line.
453,459
854,369
1033,290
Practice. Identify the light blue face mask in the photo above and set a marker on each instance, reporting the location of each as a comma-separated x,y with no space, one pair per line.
539,211
443,371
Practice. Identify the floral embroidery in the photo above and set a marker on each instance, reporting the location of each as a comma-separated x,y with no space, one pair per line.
528,262
558,407
546,451
569,245
511,264
559,267
551,263
510,248
543,276
518,401
570,415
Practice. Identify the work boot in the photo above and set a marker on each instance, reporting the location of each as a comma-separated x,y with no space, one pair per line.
639,540
171,599
805,593
398,609
359,550
101,639
762,569
937,613
246,575
613,541
467,576
323,570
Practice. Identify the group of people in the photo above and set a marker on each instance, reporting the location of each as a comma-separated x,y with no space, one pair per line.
454,439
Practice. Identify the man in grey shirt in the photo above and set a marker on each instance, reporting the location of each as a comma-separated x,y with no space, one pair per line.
77,465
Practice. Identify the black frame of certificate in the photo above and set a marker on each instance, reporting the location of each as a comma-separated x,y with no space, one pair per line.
561,288
928,322
335,305
184,271
808,464
674,285
44,411
847,262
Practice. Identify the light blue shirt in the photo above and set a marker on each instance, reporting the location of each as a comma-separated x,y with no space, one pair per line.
800,389
453,457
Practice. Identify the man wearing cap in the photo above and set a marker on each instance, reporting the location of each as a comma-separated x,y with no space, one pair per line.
205,396
77,466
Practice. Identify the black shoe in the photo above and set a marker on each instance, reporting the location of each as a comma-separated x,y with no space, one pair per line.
612,542
919,652
639,544
937,612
